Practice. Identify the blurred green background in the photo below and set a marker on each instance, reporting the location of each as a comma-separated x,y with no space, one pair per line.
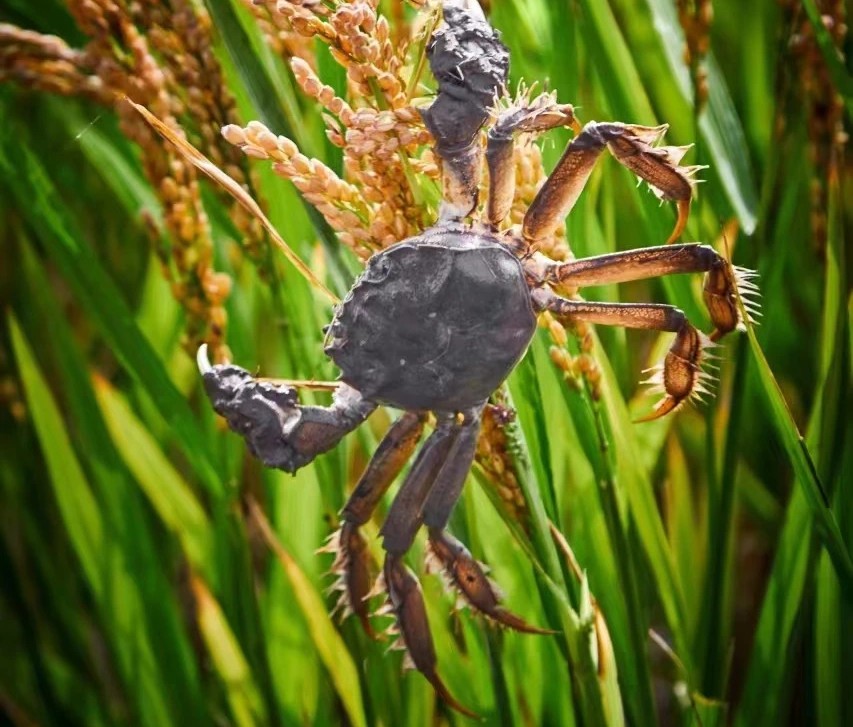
715,584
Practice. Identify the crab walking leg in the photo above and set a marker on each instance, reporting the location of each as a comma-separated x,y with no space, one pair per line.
445,458
351,562
406,514
461,569
468,577
681,375
278,430
407,602
632,146
540,115
723,282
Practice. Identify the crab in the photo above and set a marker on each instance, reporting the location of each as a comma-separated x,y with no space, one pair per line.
437,322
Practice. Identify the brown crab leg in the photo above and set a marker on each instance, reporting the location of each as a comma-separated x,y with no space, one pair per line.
542,114
468,577
633,147
681,375
445,458
464,573
407,602
722,284
278,430
404,518
351,562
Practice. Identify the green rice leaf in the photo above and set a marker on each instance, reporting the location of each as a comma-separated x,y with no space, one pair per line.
174,501
97,293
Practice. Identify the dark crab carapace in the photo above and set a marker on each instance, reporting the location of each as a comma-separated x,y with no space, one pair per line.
436,322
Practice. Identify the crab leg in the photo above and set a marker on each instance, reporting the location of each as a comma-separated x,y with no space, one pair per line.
443,462
468,577
407,602
681,375
723,283
278,430
633,147
463,572
351,562
541,114
405,516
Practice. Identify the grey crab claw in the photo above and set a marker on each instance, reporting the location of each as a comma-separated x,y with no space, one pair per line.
466,575
407,602
262,413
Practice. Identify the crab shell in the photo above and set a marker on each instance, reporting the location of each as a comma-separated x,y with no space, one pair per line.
435,322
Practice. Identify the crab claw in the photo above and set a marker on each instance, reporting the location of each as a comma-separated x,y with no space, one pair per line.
467,576
407,602
353,573
681,377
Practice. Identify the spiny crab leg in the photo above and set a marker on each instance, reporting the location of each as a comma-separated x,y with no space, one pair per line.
468,577
723,284
407,602
428,496
439,453
633,147
681,375
351,558
464,573
541,114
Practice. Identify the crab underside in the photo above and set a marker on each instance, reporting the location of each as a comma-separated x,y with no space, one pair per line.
438,321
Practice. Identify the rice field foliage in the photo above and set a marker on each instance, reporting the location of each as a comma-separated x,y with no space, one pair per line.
696,570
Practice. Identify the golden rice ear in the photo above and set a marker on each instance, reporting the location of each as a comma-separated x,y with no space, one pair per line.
230,185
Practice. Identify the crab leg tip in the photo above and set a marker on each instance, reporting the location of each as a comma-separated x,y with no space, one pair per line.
683,207
666,406
451,701
203,361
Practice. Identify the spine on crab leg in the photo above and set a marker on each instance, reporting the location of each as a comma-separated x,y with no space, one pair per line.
351,558
724,282
681,375
633,147
278,430
471,66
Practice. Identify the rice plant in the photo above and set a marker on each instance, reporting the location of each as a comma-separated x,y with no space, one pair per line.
696,569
